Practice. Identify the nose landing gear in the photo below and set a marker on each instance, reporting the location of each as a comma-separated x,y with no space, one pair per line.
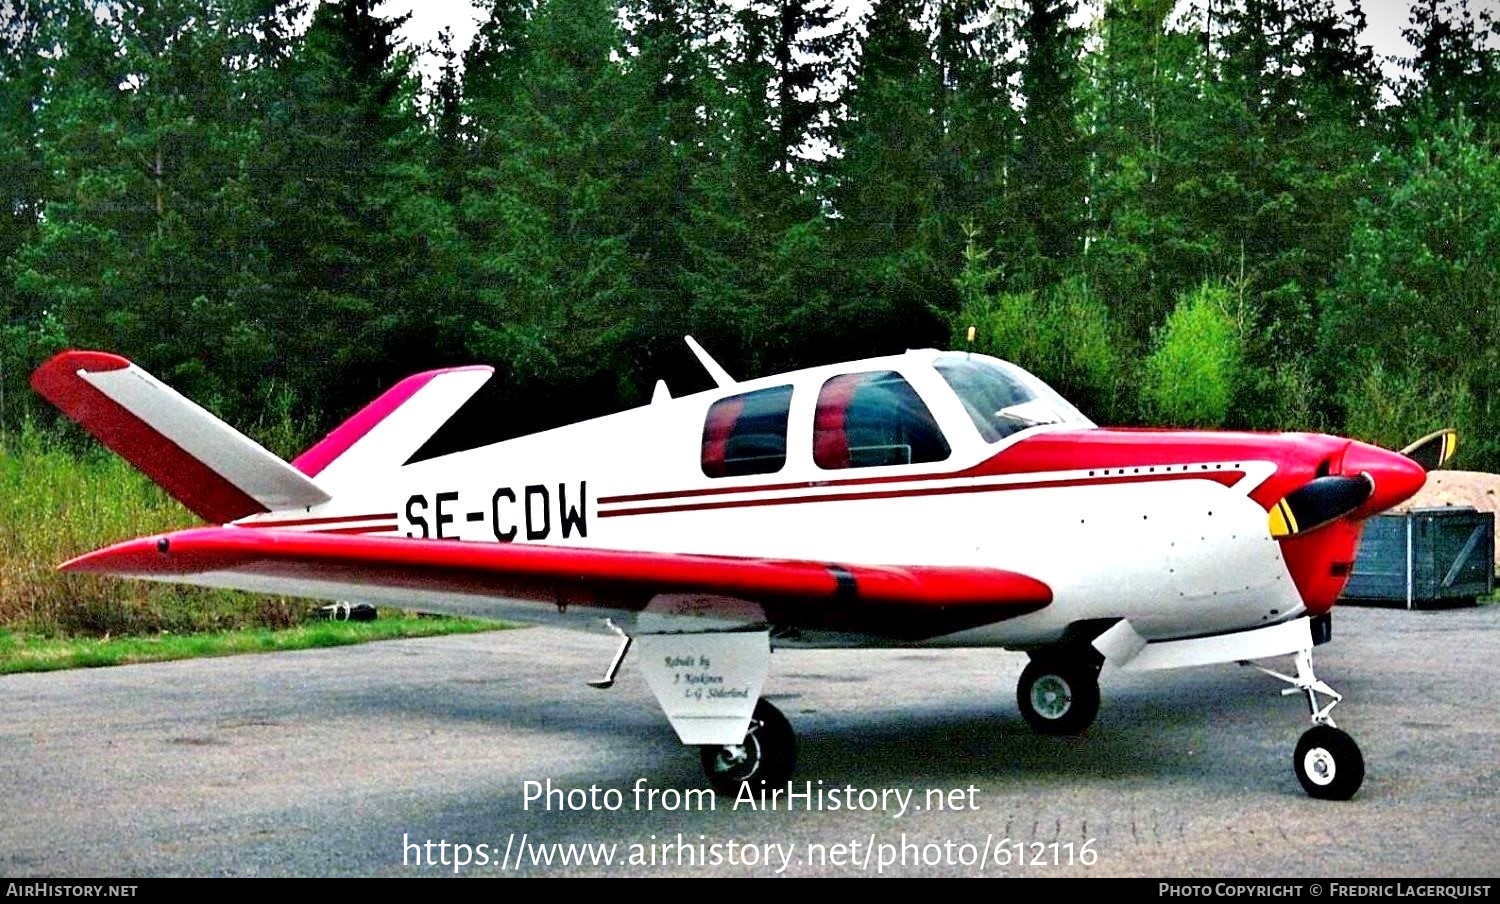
1328,763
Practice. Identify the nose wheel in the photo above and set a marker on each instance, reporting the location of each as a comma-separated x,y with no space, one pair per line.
765,759
1328,763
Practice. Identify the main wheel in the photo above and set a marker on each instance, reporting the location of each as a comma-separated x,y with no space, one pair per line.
764,759
1059,697
1328,763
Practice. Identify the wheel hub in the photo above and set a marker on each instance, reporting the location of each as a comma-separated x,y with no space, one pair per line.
1051,697
730,756
1319,766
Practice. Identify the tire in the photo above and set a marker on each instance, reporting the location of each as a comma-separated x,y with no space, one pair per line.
1058,697
765,759
1328,763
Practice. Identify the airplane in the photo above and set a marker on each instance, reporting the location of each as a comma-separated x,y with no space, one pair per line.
926,499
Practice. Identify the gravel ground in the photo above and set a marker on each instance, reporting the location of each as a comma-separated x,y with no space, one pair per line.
324,762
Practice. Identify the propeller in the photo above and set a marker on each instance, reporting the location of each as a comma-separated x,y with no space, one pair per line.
1434,450
1319,502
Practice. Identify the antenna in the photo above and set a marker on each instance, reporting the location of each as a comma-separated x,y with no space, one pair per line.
720,375
971,340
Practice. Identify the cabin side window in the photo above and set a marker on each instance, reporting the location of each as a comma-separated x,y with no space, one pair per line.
867,420
746,433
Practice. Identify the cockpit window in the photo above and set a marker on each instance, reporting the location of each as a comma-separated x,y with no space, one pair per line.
1002,400
871,419
746,433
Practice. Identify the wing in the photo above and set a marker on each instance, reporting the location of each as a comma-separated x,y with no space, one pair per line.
909,602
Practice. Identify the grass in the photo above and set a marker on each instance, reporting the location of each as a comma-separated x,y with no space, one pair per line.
20,652
57,502
59,499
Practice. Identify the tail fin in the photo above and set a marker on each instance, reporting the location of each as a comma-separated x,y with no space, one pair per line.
389,430
213,469
218,472
392,428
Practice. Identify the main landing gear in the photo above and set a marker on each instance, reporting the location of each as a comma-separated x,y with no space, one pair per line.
1059,694
765,759
1327,762
708,683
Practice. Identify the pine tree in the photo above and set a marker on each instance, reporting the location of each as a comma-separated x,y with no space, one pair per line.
667,87
978,126
807,47
25,336
1051,159
140,247
22,77
1456,68
347,192
554,298
1142,94
884,192
447,121
1417,299
1294,94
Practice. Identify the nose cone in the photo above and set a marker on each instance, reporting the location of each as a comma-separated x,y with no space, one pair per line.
1397,478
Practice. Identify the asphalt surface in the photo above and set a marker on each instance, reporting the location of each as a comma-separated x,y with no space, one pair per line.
330,761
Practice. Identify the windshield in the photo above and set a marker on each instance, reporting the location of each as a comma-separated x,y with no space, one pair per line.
1003,399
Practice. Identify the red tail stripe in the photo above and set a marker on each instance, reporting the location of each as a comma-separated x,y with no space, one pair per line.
321,455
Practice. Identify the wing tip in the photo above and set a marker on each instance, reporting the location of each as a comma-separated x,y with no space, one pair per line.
182,552
111,559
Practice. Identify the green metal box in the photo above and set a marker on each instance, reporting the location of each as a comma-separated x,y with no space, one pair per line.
1425,557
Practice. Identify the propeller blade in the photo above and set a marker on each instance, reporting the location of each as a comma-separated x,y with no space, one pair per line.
1319,502
1434,450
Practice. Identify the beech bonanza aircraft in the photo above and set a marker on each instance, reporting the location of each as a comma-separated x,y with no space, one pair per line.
938,499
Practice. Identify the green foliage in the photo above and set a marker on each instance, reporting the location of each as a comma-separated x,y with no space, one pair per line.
1454,72
1064,335
1051,158
1418,297
1196,364
553,293
263,203
55,505
1394,407
34,653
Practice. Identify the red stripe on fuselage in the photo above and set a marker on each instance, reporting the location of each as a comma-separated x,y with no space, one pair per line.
332,519
1296,457
1225,478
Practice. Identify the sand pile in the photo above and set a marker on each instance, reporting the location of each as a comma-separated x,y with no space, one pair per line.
1472,488
1475,488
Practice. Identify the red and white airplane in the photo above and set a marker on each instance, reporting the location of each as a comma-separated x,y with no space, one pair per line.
937,499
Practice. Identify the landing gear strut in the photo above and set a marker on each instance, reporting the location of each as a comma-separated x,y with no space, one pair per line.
764,759
1327,762
1059,695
